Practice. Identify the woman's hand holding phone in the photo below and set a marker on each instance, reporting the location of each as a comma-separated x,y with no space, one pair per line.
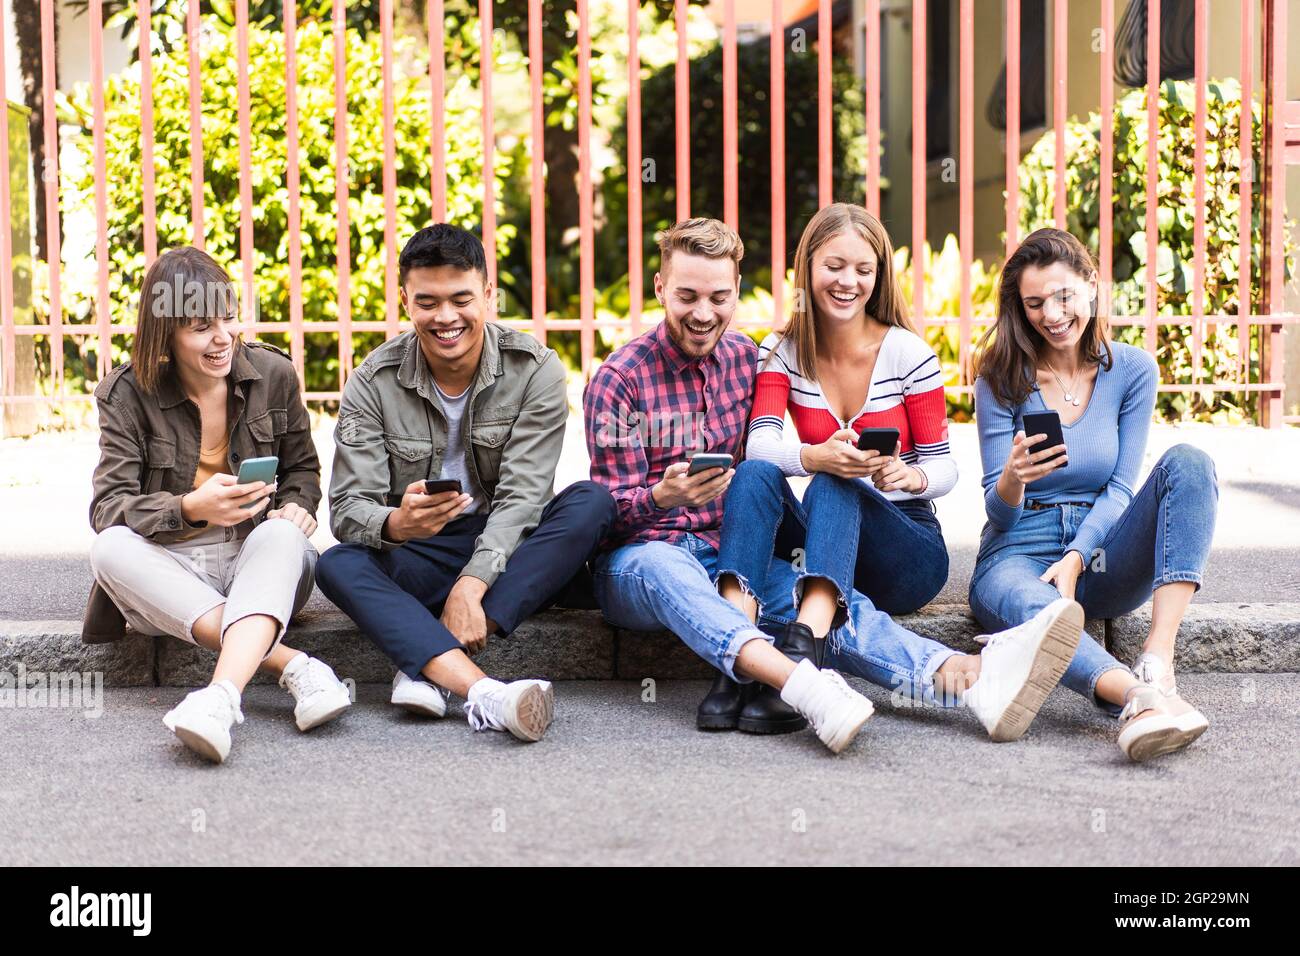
897,475
1026,465
839,455
223,502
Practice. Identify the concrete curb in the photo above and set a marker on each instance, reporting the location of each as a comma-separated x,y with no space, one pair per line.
579,645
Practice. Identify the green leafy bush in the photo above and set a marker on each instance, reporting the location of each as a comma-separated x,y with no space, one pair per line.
270,208
1175,221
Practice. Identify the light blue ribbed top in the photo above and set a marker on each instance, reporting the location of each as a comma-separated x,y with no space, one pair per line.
1106,446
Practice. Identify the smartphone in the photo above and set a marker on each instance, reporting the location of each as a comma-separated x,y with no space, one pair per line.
882,441
1049,424
438,486
705,460
257,469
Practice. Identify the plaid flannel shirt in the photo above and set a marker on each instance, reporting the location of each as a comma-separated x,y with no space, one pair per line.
650,405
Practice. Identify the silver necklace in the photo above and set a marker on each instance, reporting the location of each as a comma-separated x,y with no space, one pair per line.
1070,396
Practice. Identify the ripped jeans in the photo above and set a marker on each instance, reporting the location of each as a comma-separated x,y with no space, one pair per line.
650,585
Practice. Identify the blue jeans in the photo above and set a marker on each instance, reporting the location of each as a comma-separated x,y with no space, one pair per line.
848,532
646,586
1162,536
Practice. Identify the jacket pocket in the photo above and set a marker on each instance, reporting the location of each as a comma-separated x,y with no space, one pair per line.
159,461
408,461
268,428
488,439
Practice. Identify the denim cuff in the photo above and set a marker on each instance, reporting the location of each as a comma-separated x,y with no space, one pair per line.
738,640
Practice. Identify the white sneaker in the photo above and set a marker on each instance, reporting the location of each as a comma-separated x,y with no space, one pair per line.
834,709
523,707
1019,667
203,720
1152,669
320,695
418,696
1172,724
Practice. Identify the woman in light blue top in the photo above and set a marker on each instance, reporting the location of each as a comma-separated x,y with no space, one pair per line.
1070,520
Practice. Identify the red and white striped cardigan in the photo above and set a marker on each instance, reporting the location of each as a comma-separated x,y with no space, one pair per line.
906,393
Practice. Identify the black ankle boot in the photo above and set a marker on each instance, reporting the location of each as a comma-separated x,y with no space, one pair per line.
766,712
721,706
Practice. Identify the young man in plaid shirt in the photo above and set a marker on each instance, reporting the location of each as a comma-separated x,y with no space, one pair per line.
682,388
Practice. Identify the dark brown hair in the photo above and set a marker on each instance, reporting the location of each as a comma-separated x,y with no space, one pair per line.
183,286
1007,355
886,302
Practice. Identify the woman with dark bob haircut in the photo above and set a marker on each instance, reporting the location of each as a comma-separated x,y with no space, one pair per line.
181,547
1066,521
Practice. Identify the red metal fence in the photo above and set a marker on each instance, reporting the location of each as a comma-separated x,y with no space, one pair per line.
1269,30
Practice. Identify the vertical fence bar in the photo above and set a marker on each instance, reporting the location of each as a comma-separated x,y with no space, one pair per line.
586,237
489,139
776,48
292,179
1153,170
1060,23
1273,194
7,317
634,264
537,173
102,306
1246,147
1201,68
730,189
824,142
248,294
966,178
144,19
196,123
437,134
873,106
1106,238
50,176
343,233
682,81
919,14
1013,126
390,173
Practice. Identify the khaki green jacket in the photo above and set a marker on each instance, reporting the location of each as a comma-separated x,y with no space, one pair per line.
149,454
392,431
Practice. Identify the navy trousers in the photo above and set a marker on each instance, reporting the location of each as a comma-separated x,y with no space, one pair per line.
396,596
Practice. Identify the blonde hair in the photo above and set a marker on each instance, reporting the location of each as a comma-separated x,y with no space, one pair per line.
886,302
700,237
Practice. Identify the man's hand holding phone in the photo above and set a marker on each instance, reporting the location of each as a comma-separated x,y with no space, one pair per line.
421,515
677,489
223,502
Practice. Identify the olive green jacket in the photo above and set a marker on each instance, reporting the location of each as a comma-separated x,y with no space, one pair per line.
149,453
392,431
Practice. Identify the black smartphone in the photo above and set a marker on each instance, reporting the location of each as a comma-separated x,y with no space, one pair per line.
882,441
1049,424
438,486
705,460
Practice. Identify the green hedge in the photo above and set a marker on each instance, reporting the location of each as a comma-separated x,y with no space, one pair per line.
1175,221
270,207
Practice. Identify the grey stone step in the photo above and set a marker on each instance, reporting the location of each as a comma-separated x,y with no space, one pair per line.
579,645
